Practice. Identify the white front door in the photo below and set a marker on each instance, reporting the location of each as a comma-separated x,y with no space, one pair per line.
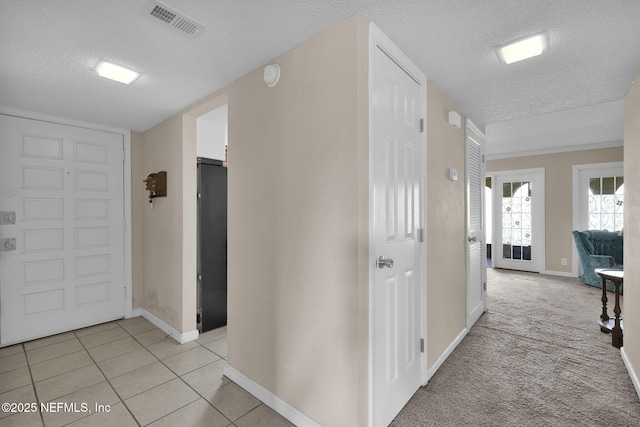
476,247
397,156
519,220
62,228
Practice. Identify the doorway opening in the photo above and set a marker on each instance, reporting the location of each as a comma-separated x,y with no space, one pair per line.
488,212
212,162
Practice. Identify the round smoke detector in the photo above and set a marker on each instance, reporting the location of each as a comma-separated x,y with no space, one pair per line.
272,74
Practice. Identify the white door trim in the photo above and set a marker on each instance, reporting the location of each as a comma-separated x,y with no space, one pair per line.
474,128
126,134
378,40
577,201
497,218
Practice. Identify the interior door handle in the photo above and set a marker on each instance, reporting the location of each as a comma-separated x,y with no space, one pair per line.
472,238
7,218
385,262
8,244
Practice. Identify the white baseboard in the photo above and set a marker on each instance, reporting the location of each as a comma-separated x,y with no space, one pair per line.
558,273
136,312
271,400
432,370
632,372
178,336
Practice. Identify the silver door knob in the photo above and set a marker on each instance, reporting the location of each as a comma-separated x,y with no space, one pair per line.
7,218
472,238
8,244
385,262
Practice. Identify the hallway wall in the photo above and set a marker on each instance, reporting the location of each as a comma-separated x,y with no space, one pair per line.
631,349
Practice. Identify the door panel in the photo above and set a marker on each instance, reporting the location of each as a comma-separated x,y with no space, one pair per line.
396,190
65,185
519,219
476,248
212,243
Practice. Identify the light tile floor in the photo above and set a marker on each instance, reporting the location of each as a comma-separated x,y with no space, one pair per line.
133,369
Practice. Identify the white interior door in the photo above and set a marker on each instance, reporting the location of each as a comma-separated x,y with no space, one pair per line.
476,247
519,220
61,195
397,156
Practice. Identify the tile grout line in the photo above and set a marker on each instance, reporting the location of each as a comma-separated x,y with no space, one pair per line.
250,411
33,384
105,377
122,400
25,352
86,349
184,382
224,385
158,385
108,381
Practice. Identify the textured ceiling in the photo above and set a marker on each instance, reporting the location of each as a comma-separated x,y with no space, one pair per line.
49,47
578,128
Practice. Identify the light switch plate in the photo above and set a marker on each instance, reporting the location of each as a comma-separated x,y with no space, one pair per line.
453,174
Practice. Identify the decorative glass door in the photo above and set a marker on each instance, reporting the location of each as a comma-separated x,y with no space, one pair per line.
606,202
518,230
599,192
598,200
516,220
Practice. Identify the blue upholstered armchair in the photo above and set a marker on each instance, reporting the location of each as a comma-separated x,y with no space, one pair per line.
598,249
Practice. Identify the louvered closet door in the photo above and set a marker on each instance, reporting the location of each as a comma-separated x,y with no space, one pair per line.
476,249
66,269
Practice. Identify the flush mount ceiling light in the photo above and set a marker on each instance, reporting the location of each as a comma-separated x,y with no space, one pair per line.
523,49
116,72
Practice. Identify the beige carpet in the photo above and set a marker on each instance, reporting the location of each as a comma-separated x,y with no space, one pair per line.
535,358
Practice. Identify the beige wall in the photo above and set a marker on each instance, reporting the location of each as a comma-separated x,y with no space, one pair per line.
189,225
632,226
294,210
163,233
298,225
446,228
558,195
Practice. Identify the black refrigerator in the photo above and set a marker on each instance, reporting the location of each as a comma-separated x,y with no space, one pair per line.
212,244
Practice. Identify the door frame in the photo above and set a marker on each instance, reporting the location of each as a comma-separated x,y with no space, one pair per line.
126,137
540,219
378,40
471,127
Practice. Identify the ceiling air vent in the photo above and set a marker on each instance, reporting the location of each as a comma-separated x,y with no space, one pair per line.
177,20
